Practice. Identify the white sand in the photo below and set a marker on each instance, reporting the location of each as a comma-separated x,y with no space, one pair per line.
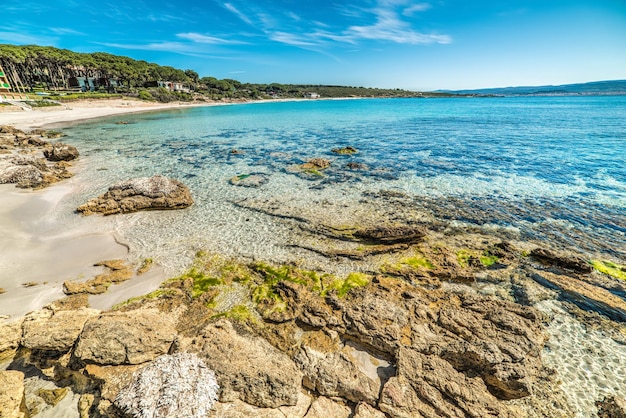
34,249
82,110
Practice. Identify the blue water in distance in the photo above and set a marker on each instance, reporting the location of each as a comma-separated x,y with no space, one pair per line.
553,168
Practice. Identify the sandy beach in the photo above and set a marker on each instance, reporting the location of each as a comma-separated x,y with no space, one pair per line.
82,110
38,254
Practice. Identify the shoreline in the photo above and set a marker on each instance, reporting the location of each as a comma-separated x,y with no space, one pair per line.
91,109
39,254
81,111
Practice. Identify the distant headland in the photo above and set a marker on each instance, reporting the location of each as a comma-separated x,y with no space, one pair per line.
611,87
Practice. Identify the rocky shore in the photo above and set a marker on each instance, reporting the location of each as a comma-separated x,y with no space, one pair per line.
434,321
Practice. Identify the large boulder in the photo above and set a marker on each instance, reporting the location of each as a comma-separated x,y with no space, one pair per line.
60,152
248,367
24,171
54,331
12,401
126,338
145,193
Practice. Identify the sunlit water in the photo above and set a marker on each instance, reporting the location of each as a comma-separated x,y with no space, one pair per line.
550,169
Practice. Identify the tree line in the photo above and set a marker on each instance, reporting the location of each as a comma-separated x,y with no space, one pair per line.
33,68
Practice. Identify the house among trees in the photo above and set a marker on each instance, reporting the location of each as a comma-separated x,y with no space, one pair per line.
5,87
170,85
312,95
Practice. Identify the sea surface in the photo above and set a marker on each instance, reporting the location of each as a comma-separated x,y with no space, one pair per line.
549,168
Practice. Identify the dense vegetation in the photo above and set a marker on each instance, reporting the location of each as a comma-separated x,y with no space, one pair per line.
56,71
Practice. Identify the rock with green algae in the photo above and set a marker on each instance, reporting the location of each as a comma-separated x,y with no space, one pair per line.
345,150
610,269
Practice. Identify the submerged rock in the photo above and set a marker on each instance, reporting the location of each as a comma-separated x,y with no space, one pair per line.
145,193
250,180
612,407
345,150
316,164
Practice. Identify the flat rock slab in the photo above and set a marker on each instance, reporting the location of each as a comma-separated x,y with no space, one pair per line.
144,193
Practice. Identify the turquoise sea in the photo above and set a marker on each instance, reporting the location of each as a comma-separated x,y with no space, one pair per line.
549,169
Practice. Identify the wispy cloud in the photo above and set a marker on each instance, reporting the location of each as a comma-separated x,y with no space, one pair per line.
237,13
390,27
416,8
66,31
20,38
206,39
387,21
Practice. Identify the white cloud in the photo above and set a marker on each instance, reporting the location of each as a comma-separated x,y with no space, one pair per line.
415,8
66,31
237,13
292,39
19,38
205,39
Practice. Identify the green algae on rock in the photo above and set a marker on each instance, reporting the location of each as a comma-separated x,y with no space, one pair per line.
610,269
345,150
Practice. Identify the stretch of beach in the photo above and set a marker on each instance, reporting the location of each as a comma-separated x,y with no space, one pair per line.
83,110
37,253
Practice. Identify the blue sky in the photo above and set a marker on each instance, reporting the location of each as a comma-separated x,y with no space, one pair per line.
419,45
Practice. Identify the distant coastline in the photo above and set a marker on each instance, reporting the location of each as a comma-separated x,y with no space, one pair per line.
595,88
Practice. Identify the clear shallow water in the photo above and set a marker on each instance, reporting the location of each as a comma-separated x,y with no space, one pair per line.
549,168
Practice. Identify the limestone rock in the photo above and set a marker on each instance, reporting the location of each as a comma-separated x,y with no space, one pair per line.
54,331
323,407
10,337
132,337
612,407
248,367
60,152
23,171
241,409
12,401
429,386
497,340
111,379
364,410
172,385
145,193
336,374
